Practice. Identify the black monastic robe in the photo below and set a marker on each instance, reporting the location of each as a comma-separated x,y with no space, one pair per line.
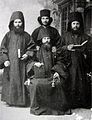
14,76
45,99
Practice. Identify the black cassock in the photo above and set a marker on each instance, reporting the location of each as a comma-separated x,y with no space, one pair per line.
45,99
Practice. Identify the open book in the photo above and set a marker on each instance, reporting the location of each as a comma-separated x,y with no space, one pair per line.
79,46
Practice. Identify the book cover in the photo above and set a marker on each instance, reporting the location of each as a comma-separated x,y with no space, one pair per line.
79,46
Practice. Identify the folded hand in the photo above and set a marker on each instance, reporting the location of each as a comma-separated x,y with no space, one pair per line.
38,64
24,57
7,63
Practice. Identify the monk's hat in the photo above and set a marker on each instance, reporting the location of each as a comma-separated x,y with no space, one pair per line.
42,33
16,15
45,12
75,16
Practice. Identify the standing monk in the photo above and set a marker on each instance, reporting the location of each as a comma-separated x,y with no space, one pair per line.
75,44
15,52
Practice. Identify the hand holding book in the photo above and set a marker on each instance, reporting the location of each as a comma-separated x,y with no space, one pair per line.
72,47
79,46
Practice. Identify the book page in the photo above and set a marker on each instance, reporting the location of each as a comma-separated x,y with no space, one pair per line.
78,46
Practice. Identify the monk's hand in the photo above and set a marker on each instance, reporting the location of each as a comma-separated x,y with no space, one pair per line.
70,47
7,63
38,64
54,49
27,82
37,48
56,79
56,75
24,57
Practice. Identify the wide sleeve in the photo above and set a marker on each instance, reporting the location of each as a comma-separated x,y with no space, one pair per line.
89,54
57,39
64,43
30,46
4,50
61,69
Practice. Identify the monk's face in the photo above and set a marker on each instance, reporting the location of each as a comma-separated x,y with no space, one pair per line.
46,40
17,23
46,43
45,20
75,25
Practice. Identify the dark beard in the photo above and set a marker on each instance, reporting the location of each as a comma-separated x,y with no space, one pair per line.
47,46
18,30
76,31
